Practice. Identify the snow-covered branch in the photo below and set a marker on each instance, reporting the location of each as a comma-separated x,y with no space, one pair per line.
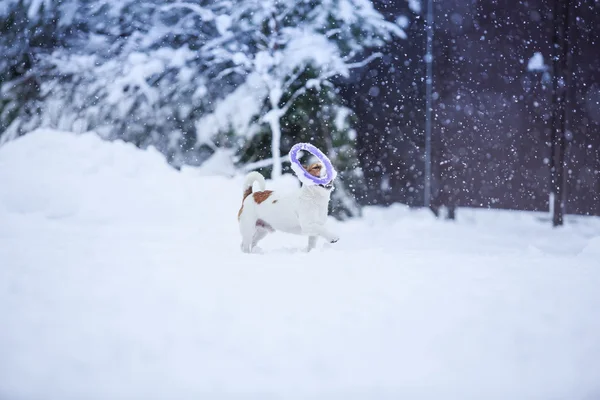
282,45
288,83
262,164
364,62
229,71
203,13
293,98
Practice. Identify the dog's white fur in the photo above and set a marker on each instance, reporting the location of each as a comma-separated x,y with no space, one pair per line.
302,212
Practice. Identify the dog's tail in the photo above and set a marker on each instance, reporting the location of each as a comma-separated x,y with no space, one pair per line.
249,181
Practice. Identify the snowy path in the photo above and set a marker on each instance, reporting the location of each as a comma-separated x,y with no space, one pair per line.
153,300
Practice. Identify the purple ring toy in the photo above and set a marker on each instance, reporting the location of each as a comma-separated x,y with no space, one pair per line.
302,173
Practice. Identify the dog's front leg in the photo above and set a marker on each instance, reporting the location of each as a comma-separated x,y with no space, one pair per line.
319,230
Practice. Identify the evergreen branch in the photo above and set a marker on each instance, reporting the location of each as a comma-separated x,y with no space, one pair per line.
365,61
203,13
332,32
293,98
292,79
228,71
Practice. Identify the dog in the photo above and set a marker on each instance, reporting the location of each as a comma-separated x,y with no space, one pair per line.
302,212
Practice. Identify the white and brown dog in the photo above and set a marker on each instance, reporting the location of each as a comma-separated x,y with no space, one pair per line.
302,212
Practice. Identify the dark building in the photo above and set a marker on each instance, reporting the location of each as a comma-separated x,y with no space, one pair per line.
492,102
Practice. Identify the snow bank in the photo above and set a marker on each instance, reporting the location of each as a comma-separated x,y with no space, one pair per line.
592,248
60,175
122,278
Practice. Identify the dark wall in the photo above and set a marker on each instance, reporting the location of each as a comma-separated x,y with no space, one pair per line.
491,114
389,99
583,115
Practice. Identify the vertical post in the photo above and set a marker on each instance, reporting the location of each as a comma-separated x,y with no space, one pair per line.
561,65
428,102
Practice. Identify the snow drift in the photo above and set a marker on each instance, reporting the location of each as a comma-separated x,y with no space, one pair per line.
122,278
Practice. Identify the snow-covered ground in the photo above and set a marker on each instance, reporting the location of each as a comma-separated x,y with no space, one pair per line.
122,278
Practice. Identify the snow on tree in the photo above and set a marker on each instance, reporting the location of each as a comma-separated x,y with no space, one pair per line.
281,49
28,30
127,70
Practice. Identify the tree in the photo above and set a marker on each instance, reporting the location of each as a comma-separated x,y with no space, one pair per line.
270,45
235,81
127,70
28,30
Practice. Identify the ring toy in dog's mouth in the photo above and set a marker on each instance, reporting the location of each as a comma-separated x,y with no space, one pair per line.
304,175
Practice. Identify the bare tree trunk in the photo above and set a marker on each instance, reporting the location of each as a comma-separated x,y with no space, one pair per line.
560,101
273,118
275,125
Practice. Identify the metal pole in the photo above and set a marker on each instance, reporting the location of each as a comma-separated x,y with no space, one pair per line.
428,102
560,94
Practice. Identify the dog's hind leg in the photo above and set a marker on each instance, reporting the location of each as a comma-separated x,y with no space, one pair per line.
312,243
248,230
259,234
248,240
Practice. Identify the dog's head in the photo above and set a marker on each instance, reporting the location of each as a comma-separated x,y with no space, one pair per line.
318,171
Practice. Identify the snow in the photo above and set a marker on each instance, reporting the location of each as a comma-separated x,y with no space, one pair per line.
593,248
341,118
306,47
236,112
402,21
415,6
223,23
34,7
300,40
536,63
122,278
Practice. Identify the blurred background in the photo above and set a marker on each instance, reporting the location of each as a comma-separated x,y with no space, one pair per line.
478,103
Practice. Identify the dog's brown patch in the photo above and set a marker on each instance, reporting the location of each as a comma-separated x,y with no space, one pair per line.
247,193
315,169
259,197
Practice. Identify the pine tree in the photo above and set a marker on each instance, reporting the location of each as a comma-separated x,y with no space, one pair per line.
287,54
28,30
127,70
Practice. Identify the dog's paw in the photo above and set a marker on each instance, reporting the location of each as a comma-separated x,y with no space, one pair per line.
257,250
246,248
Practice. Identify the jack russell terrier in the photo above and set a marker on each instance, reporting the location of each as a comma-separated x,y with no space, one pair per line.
302,212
